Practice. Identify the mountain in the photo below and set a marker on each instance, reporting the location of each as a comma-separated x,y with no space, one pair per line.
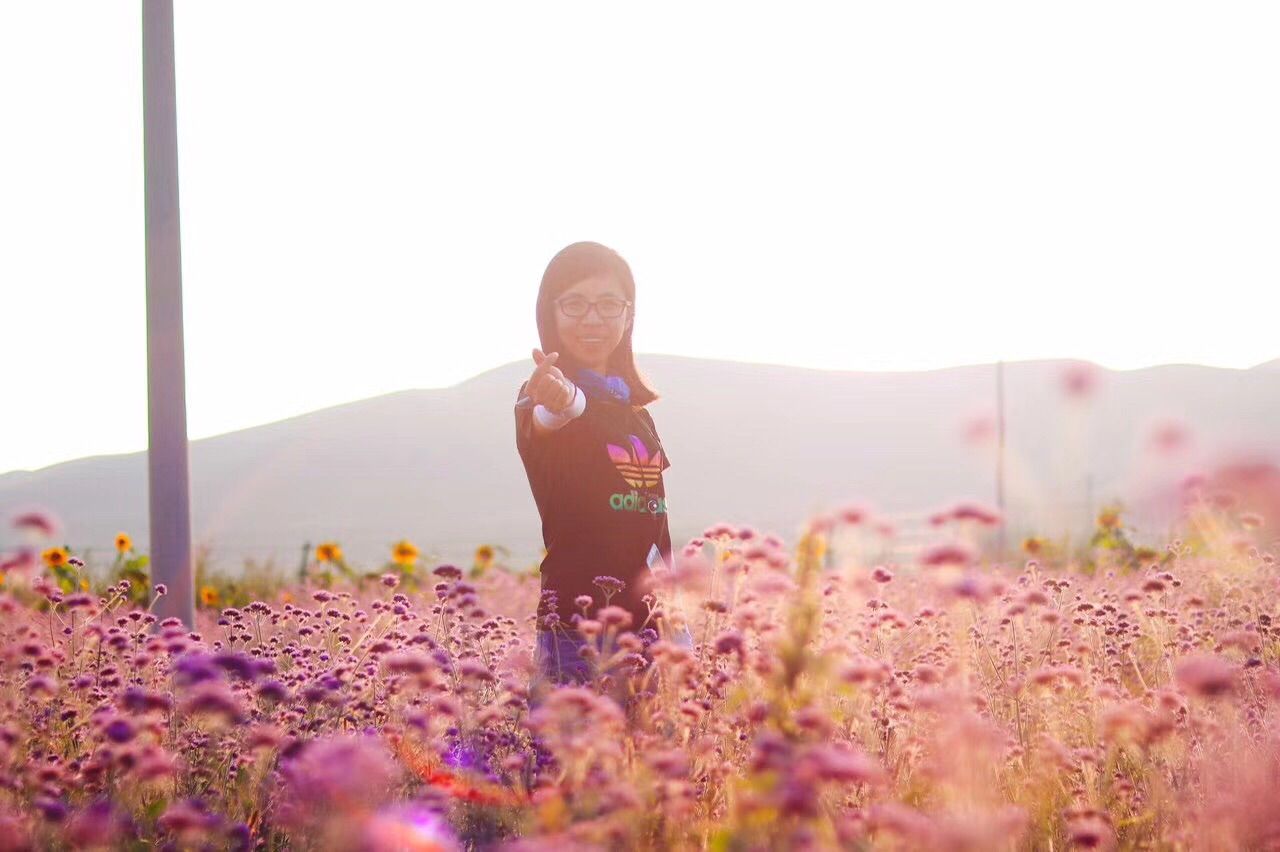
756,444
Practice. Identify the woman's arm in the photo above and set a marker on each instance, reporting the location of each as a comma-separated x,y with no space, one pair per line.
545,421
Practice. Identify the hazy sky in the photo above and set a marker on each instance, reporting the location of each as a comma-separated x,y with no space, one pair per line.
370,192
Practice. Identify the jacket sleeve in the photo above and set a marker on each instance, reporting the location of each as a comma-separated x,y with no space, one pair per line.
547,456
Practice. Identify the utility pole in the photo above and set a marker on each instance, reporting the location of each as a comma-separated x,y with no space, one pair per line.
1088,498
167,459
1004,520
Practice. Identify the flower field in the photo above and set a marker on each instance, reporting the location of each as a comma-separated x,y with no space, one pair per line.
1128,700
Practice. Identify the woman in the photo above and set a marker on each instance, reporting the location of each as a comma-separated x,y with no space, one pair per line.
592,456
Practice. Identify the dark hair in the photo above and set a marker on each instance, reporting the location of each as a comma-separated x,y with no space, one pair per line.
572,264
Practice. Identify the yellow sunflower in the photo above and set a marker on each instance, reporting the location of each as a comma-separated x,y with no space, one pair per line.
208,596
55,557
1109,518
404,553
123,543
329,551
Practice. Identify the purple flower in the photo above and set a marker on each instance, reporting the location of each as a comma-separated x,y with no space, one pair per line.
272,690
51,809
609,585
195,668
96,826
451,572
241,665
214,699
119,731
186,817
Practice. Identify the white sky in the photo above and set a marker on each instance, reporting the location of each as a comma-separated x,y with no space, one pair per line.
370,192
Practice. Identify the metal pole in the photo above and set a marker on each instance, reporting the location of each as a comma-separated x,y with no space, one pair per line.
167,459
1004,520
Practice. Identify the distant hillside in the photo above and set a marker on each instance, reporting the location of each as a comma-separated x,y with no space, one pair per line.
749,443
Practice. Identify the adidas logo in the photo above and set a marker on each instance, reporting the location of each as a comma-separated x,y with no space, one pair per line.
634,463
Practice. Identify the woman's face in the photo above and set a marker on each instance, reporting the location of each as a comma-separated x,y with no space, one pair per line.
591,338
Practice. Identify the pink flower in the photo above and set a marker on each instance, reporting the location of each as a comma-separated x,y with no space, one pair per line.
475,670
407,662
1206,675
336,774
978,430
822,524
673,763
1079,380
22,560
840,761
184,818
947,554
1091,832
1035,597
972,586
975,512
38,521
1245,640
854,514
615,616
927,674
729,642
1168,437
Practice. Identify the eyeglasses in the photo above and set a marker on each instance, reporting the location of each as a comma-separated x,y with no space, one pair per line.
576,306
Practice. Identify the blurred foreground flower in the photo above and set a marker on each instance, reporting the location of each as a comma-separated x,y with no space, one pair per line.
1079,381
408,827
947,554
40,522
337,775
1205,675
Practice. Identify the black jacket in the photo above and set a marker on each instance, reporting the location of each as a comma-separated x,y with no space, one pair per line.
597,482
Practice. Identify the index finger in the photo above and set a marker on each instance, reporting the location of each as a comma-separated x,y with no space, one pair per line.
544,363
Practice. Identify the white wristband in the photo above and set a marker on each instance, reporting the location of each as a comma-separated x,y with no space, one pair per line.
555,421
